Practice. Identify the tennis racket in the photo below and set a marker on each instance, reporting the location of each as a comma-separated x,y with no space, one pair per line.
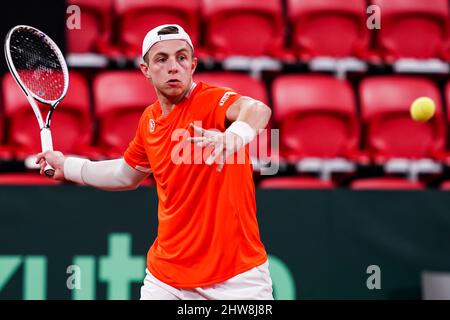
40,69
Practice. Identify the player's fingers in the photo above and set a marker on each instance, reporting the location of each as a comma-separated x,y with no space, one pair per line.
203,141
196,139
222,158
206,143
209,143
200,141
43,164
215,154
39,157
218,138
199,130
201,144
226,153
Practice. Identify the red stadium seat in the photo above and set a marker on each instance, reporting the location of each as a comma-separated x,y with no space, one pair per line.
295,183
71,122
242,83
120,98
447,102
5,152
95,33
445,185
2,128
317,117
328,28
412,29
149,182
390,131
386,183
246,28
137,17
26,179
2,125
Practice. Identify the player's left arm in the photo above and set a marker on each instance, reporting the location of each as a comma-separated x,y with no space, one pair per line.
246,116
250,111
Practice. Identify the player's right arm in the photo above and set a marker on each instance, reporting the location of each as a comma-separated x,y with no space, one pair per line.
112,175
125,173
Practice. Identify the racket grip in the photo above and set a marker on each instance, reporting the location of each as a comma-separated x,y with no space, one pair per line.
47,145
46,139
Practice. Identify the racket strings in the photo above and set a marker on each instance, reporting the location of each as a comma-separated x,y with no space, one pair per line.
37,64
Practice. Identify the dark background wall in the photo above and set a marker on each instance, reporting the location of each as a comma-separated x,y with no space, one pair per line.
46,15
324,241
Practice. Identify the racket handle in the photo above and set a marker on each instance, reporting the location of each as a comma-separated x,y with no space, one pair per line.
49,171
46,139
47,145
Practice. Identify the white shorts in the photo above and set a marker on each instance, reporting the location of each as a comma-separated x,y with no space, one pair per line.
254,284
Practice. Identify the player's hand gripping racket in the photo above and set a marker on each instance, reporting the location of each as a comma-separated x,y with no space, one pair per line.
40,69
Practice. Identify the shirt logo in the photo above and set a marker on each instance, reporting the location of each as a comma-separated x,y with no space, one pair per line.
225,97
152,125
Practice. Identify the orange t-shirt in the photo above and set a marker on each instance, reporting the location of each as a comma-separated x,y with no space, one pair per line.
207,227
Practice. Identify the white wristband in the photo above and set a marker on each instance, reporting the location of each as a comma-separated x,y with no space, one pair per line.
72,169
243,130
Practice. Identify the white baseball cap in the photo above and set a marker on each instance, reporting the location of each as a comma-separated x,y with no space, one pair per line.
153,37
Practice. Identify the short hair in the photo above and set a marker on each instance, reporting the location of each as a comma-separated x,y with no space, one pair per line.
168,30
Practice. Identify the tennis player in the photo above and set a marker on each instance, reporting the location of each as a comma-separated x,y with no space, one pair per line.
208,244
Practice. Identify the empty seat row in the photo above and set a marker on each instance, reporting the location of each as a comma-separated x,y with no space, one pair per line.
318,116
306,29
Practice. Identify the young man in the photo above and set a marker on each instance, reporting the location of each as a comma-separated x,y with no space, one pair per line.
208,244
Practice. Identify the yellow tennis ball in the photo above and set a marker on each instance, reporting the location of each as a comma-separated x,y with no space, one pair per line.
422,109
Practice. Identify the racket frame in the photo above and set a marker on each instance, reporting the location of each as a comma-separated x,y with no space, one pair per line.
46,137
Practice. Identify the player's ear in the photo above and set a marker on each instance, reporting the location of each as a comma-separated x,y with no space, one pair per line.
145,70
194,65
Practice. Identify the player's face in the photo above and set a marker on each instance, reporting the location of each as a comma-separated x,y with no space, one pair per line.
170,67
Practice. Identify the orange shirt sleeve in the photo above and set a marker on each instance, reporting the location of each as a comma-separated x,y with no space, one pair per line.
135,155
227,97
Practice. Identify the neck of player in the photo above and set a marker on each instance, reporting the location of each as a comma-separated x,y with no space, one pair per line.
168,103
